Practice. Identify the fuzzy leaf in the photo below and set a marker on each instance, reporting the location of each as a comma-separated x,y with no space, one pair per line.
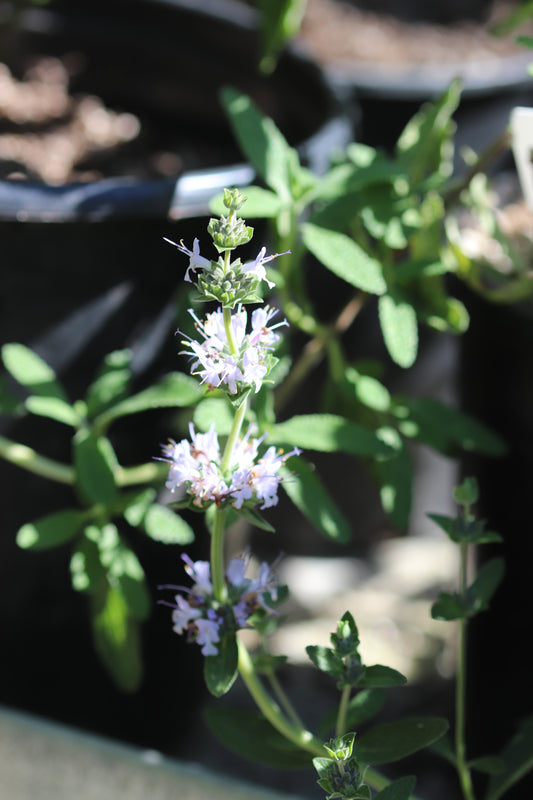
175,390
31,371
328,433
392,741
487,580
260,140
342,256
163,525
50,531
112,383
94,463
311,497
449,607
400,330
53,408
214,411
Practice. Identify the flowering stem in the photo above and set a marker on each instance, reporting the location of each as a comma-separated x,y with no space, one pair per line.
284,700
270,709
226,314
217,555
460,691
343,708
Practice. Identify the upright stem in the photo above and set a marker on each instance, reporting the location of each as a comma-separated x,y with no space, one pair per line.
28,459
343,708
460,691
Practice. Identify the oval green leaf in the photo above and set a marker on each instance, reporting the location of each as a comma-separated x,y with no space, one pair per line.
392,741
329,433
400,331
50,531
342,256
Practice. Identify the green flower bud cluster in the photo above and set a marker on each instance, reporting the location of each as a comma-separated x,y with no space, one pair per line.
341,775
230,286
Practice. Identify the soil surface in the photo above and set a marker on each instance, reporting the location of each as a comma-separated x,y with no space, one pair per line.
336,31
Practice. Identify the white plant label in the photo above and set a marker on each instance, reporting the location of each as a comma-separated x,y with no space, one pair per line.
522,144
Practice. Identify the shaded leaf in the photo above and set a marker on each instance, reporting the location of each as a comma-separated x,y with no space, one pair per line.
116,637
51,531
490,765
311,497
380,677
395,478
251,736
487,580
518,760
392,741
363,706
175,390
220,670
253,516
400,789
112,383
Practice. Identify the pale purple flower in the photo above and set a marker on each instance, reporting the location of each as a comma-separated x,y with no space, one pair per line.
200,572
194,465
207,635
256,267
214,361
183,614
196,261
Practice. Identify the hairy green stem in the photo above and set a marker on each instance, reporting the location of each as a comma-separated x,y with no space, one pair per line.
465,777
141,473
30,460
217,555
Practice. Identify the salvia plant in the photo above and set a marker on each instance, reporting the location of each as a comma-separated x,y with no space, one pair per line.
378,227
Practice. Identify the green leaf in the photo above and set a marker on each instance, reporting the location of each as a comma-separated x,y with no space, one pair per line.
518,760
260,140
280,22
363,706
487,580
449,607
214,411
50,531
95,463
125,572
425,148
311,497
368,390
342,256
412,269
328,433
380,677
175,390
53,408
260,203
400,789
253,516
400,330
86,570
490,765
112,384
116,637
163,525
221,670
9,402
444,428
392,741
326,660
136,504
395,478
252,737
31,371
470,531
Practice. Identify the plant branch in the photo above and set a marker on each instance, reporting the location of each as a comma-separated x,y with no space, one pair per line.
30,460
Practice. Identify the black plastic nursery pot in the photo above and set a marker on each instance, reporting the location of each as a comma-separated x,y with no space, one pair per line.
85,271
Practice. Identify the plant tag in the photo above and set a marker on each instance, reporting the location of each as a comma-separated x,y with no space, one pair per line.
522,144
